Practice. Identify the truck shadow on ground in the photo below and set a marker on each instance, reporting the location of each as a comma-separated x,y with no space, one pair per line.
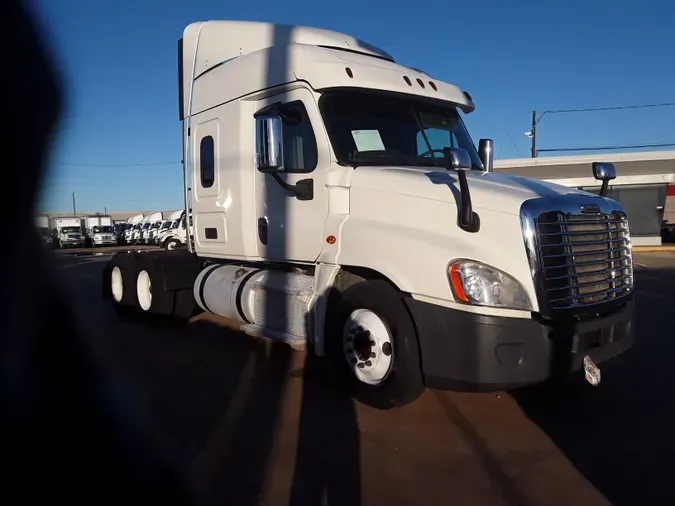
620,435
213,398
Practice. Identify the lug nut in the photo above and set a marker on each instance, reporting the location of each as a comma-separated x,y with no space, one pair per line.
361,366
369,363
372,354
372,343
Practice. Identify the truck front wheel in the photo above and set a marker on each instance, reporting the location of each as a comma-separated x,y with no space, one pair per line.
171,244
372,341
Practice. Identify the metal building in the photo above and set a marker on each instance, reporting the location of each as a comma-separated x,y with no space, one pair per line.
645,184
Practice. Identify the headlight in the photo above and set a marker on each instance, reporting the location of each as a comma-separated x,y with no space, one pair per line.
479,284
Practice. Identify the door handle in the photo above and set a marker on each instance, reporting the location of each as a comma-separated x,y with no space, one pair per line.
659,208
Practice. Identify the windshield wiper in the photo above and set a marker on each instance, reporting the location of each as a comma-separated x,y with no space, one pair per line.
388,157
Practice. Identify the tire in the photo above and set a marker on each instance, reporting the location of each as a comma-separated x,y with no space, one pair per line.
152,297
184,304
171,244
123,271
374,312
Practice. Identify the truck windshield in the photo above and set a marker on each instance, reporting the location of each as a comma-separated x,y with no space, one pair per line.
166,224
70,230
145,226
175,224
370,128
102,229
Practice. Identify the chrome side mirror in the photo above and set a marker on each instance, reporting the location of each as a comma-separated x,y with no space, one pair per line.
486,153
269,144
457,158
605,172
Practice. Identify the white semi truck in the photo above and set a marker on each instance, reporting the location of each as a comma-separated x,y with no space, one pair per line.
155,221
98,230
137,235
68,232
134,223
174,236
337,201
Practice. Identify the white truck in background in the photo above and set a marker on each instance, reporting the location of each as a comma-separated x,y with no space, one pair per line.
43,229
68,232
164,226
134,224
155,221
137,235
173,236
98,230
337,201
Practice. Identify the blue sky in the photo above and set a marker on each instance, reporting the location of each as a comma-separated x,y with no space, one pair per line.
118,60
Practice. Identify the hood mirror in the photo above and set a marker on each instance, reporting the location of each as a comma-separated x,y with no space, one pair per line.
605,172
457,158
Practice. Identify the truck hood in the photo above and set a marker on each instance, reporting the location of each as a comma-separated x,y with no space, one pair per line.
496,192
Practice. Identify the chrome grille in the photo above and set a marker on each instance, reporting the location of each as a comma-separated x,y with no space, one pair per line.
586,259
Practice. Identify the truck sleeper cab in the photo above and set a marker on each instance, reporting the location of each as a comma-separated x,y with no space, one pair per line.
338,202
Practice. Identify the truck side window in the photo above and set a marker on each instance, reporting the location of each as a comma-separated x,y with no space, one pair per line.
300,151
207,162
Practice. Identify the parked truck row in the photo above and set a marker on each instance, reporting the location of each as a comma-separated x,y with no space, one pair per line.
164,229
337,202
167,230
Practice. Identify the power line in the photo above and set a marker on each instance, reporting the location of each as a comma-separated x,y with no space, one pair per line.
607,148
149,164
514,145
614,108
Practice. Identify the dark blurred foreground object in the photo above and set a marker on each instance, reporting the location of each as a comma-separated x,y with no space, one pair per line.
66,434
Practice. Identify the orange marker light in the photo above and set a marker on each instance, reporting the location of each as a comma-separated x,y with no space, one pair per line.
331,239
456,282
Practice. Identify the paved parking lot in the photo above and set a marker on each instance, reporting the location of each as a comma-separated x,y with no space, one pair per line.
254,423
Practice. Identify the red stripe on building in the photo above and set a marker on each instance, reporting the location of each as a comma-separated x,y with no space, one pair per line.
671,190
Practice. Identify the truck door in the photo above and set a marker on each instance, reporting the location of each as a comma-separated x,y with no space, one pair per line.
290,229
209,228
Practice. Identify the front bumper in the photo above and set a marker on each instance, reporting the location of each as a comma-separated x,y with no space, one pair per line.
72,242
478,353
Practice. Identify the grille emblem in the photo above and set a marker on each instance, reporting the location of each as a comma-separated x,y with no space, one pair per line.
590,209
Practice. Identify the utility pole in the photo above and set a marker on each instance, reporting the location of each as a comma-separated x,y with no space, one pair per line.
74,213
533,135
105,210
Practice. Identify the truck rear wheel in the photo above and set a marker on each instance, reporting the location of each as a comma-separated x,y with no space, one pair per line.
152,297
372,341
123,271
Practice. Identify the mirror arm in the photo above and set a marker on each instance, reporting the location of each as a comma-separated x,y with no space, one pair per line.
468,219
603,188
302,190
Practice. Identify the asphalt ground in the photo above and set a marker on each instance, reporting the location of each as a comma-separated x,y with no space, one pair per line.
251,422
